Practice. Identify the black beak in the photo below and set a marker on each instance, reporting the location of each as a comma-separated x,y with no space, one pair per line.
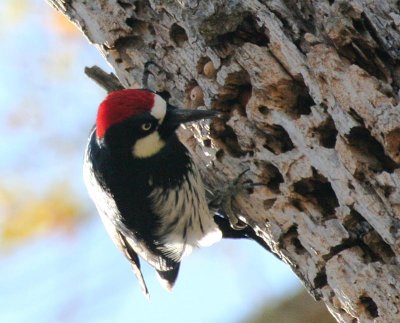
176,116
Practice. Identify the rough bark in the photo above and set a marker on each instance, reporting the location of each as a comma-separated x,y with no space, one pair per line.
310,91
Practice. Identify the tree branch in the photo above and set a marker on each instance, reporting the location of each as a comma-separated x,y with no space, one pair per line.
108,82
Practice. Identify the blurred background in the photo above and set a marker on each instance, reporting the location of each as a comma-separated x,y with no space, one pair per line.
57,263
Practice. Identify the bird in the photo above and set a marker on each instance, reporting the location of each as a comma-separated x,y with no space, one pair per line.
146,186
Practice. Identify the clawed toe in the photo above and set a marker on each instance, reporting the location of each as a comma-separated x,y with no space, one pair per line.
224,198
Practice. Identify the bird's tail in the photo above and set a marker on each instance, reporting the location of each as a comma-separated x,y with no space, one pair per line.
167,278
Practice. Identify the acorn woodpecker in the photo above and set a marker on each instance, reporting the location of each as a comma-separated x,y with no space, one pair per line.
145,185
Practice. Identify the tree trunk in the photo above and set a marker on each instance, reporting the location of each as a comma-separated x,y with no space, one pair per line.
310,93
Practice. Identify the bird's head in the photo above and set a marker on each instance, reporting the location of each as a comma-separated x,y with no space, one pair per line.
141,121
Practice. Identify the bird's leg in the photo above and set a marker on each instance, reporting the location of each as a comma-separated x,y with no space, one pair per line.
152,68
146,73
224,198
228,196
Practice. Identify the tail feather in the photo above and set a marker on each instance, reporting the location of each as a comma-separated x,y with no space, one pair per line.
135,263
168,278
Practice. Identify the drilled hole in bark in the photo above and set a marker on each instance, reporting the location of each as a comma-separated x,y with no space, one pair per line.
133,23
359,54
393,143
247,31
263,110
277,140
370,306
124,5
225,137
388,190
143,29
318,190
297,204
333,251
358,25
224,106
130,41
219,154
232,146
250,190
356,116
356,224
238,79
303,15
271,176
269,203
383,55
361,140
178,35
320,279
291,237
367,238
207,143
327,134
245,92
298,246
303,105
228,94
235,93
379,248
139,7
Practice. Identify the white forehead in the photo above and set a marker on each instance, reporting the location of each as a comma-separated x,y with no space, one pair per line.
159,109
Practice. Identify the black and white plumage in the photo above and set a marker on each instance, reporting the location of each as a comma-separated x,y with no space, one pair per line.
144,183
146,187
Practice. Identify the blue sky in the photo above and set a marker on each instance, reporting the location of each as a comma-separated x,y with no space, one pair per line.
82,277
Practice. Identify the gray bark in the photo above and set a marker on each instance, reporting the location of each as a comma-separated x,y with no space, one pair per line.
310,91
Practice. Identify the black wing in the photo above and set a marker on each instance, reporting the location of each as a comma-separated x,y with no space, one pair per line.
96,172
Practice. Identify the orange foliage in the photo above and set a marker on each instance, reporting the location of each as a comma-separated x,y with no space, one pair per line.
61,25
27,215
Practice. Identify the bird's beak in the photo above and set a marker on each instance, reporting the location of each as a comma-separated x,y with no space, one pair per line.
176,116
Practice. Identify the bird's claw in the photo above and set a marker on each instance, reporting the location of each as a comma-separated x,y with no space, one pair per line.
234,221
227,195
236,224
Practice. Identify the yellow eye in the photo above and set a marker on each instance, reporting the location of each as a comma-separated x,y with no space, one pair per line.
146,126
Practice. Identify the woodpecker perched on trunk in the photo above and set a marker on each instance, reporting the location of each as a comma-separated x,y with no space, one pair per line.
145,185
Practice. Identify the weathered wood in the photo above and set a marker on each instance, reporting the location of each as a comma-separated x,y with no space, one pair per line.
108,82
310,93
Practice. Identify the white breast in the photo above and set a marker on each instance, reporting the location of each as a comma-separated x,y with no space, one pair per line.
186,221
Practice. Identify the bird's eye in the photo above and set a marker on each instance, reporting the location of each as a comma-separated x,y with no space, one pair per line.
146,126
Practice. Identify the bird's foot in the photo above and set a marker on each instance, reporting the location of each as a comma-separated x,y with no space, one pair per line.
224,198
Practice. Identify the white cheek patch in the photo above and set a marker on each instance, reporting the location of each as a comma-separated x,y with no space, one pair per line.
159,109
148,146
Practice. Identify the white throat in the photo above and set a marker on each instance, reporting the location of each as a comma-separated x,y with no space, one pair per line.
148,146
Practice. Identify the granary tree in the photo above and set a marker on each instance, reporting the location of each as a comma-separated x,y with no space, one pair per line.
309,91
